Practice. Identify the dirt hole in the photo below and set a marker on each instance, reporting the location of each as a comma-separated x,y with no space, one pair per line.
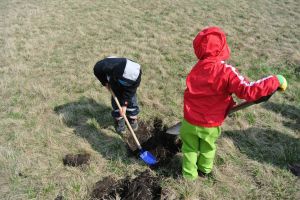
153,138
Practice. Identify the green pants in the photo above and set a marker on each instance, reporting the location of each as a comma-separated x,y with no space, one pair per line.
198,148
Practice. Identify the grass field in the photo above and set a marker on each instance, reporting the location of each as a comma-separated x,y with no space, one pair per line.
51,103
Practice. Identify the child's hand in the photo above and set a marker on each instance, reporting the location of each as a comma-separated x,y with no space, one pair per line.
107,86
123,111
283,83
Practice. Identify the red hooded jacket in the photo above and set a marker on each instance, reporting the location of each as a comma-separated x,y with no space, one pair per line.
210,83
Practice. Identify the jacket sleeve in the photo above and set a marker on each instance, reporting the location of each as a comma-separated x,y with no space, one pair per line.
250,91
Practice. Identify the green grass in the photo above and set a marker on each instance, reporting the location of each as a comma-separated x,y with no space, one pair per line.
51,103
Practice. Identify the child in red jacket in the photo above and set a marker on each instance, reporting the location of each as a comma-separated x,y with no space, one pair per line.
207,99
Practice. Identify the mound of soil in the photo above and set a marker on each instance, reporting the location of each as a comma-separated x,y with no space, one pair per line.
154,139
106,188
76,160
145,186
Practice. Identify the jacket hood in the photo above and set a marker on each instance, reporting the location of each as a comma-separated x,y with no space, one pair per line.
211,43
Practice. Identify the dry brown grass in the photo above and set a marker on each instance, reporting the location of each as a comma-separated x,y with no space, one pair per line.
51,103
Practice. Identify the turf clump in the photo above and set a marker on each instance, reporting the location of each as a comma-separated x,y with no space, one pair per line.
76,160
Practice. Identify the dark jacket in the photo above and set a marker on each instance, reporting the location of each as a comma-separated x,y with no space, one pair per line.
123,76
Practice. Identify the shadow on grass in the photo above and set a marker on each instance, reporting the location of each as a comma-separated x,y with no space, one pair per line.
88,118
287,111
267,146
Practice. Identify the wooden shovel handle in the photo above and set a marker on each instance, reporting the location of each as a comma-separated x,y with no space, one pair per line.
126,120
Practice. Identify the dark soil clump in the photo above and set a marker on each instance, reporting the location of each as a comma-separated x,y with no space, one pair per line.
145,186
59,197
105,189
76,160
154,139
295,169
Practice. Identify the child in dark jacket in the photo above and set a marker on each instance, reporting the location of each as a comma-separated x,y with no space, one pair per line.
122,76
207,99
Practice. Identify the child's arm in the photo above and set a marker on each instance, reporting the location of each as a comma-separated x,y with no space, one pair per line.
250,91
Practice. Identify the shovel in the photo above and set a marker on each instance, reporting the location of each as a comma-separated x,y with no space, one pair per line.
146,156
174,130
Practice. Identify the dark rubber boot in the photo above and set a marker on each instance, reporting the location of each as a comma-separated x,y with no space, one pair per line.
205,175
120,126
134,124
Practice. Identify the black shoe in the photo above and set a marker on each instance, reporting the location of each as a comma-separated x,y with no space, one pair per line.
134,124
205,175
120,126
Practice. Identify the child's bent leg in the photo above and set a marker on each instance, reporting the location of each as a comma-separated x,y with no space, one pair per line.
190,146
133,108
208,150
206,157
115,113
120,126
132,111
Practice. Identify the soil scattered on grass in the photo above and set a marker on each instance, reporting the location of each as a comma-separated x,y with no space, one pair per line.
76,160
154,139
163,146
145,186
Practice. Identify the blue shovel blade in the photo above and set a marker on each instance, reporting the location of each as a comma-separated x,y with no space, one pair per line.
147,157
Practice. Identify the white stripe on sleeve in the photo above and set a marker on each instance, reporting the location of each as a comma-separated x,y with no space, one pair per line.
242,79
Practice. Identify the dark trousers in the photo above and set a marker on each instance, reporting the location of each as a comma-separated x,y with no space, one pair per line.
132,108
